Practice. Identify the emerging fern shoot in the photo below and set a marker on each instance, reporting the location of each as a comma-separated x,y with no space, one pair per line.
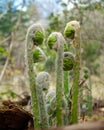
56,42
30,42
74,35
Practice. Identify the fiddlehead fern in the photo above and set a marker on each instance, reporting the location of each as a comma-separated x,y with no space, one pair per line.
68,64
38,55
56,42
74,35
31,40
68,61
42,81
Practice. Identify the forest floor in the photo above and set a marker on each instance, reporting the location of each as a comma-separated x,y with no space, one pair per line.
14,107
15,117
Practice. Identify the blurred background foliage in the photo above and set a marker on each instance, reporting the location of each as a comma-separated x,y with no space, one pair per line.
17,16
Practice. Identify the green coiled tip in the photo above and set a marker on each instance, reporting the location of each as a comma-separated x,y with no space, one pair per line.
37,56
68,61
86,72
38,38
43,80
86,76
69,32
51,41
50,95
71,29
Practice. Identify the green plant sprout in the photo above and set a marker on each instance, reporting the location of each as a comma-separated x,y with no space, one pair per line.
61,106
74,35
69,32
51,41
67,67
38,55
68,63
38,36
51,106
57,42
42,82
50,112
88,90
30,42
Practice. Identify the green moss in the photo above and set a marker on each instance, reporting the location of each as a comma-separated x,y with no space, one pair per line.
37,56
38,38
69,32
51,41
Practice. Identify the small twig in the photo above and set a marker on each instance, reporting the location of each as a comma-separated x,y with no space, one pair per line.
82,82
6,63
5,40
11,43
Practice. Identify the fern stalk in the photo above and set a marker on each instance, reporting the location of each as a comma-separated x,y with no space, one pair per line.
72,32
75,86
42,81
66,83
56,42
59,81
89,111
43,114
31,75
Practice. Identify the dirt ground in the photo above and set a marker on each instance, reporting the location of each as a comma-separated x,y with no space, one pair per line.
14,117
